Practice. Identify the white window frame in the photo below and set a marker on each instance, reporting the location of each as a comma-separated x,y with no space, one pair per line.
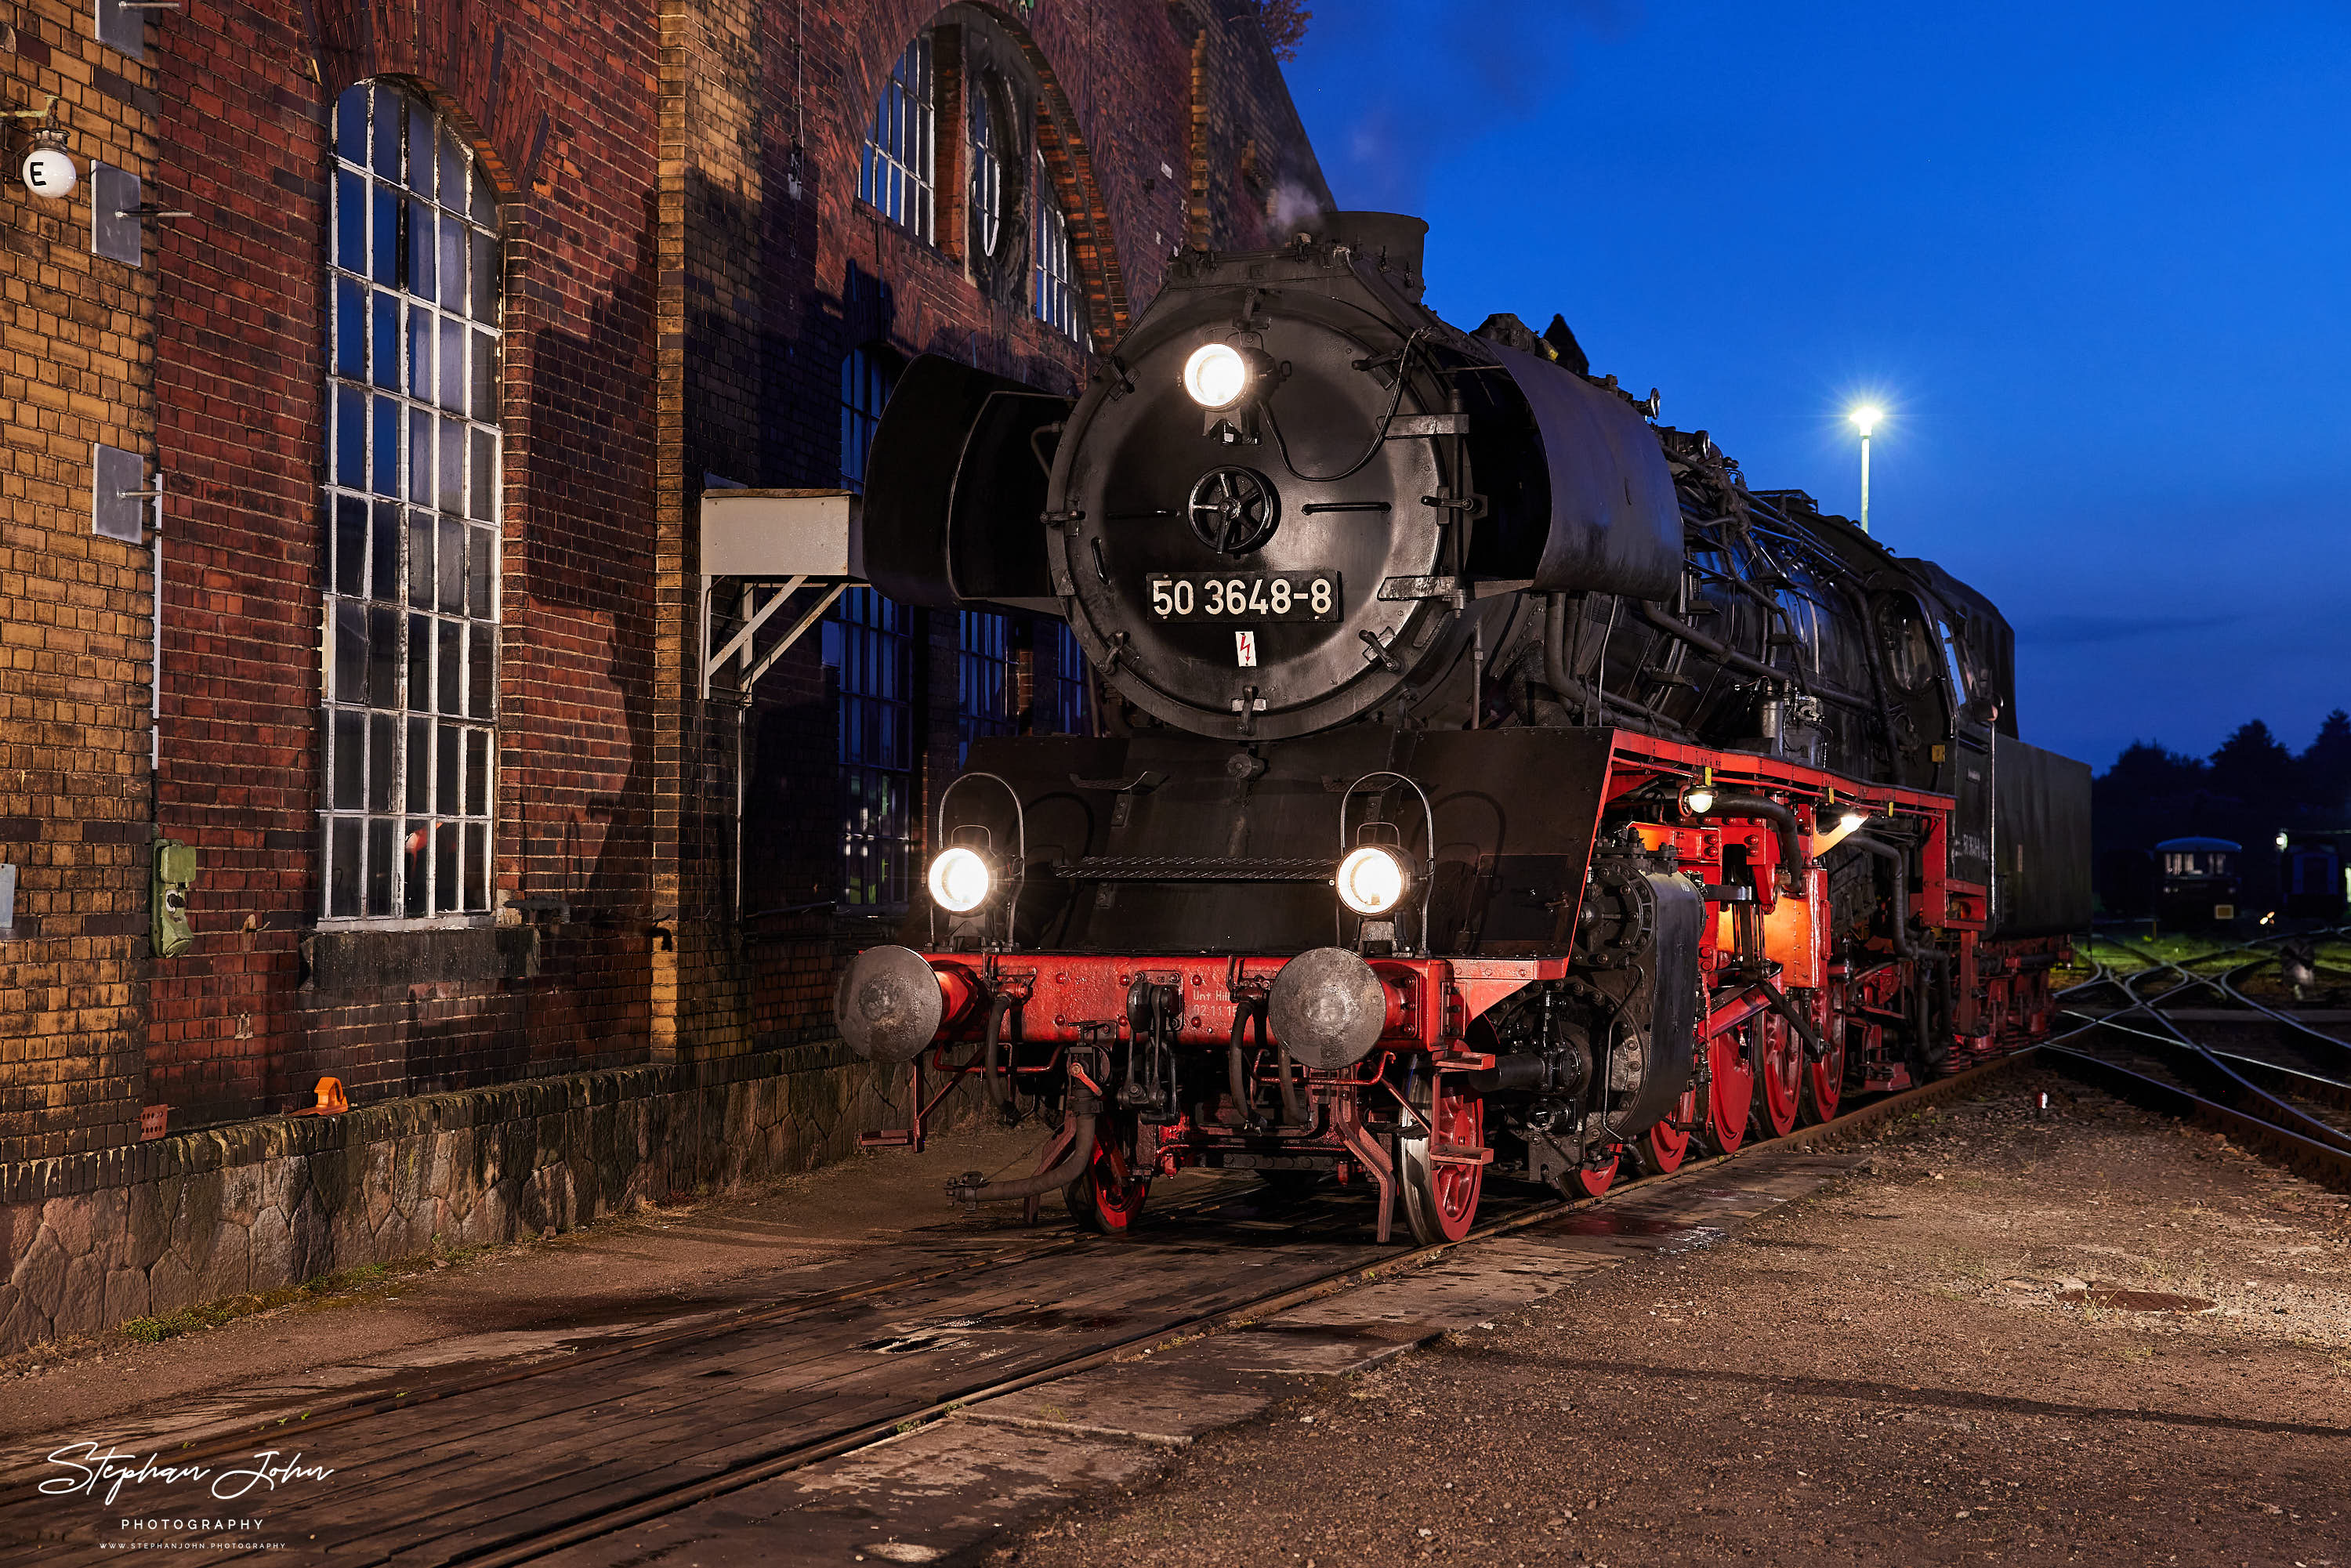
1053,294
897,176
411,520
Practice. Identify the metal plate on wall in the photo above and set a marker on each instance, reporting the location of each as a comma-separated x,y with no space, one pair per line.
116,509
120,27
114,192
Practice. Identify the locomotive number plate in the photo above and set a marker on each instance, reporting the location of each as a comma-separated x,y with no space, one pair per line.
1245,596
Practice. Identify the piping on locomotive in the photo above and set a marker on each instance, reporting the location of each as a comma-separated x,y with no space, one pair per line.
1490,779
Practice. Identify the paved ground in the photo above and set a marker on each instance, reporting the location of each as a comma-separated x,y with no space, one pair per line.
2093,1338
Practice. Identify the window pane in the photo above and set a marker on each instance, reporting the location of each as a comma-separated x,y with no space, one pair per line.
453,263
383,670
420,353
420,251
350,125
420,147
350,546
414,868
481,698
350,437
444,867
478,573
450,655
343,867
388,100
478,773
484,500
420,456
387,447
350,331
351,758
485,203
387,551
420,669
452,566
386,308
477,892
380,833
452,364
486,276
453,465
350,221
383,760
384,247
420,765
350,651
420,560
452,173
486,377
444,769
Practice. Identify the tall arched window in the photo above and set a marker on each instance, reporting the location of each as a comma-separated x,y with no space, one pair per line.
869,644
413,287
897,172
991,143
1054,295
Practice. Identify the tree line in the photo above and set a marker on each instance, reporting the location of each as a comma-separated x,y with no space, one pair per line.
2251,787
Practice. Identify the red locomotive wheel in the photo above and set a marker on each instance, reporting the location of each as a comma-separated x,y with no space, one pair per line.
1825,1079
1105,1199
1734,1091
1590,1183
1780,1076
1667,1145
1440,1196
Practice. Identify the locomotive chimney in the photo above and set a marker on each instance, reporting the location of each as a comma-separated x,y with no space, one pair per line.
1394,241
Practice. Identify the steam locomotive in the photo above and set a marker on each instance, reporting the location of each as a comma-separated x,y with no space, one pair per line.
1489,779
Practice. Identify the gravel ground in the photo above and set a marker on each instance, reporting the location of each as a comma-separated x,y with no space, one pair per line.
2099,1337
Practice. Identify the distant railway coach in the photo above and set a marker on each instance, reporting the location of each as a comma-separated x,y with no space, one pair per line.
1488,779
2197,883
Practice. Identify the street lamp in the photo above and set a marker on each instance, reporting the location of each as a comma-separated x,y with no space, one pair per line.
1864,419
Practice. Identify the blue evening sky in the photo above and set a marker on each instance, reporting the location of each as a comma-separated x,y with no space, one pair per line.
2094,259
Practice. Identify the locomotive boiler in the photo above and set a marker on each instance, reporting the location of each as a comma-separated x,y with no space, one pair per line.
1489,779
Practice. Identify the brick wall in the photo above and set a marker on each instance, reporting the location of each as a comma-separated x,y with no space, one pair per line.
77,368
686,263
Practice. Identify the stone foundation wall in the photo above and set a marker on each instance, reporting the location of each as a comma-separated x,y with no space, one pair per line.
97,1239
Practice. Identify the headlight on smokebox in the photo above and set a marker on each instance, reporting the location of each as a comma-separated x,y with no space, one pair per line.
960,879
1372,879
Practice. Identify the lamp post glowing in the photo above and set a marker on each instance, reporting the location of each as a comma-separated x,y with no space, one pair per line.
1864,419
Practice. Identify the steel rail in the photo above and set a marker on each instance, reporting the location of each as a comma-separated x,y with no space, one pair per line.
2322,1162
334,1413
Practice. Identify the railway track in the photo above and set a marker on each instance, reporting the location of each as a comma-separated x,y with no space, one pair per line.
2296,1110
512,1465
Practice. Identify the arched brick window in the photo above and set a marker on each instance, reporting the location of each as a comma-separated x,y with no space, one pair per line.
897,174
412,503
1053,273
869,646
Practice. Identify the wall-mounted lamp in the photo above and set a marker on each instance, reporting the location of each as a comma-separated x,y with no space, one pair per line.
47,170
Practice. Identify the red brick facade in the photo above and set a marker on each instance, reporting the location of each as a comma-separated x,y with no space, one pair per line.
686,263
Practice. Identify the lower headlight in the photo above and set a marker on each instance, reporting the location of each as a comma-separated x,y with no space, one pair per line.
960,879
1372,879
